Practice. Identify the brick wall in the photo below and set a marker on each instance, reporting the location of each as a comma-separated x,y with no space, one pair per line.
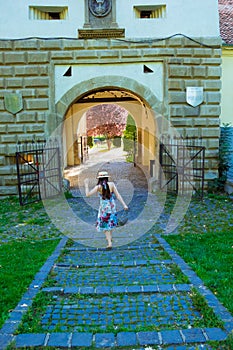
26,67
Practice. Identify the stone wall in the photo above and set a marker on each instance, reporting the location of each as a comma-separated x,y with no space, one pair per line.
26,67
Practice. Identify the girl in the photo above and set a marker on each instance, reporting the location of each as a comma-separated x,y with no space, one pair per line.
107,218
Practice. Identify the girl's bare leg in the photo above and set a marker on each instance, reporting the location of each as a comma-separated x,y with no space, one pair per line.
108,235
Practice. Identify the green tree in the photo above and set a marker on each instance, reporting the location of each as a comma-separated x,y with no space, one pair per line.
129,135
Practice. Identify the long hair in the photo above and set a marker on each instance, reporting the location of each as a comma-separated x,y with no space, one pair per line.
105,188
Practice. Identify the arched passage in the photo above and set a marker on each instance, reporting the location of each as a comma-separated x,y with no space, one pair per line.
143,105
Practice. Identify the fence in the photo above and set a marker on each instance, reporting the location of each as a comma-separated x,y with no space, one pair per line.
38,171
182,165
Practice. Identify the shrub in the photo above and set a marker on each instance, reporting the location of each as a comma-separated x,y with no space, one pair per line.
117,141
129,135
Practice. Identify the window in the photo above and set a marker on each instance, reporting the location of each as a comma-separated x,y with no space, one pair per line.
48,12
147,11
146,14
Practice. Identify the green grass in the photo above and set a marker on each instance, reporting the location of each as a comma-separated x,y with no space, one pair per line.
205,241
211,256
19,262
31,320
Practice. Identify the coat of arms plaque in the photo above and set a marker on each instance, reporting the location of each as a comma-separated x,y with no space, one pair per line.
13,102
100,8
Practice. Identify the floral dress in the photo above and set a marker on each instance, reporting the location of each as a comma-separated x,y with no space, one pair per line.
107,217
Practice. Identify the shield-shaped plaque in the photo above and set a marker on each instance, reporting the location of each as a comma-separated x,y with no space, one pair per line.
100,8
13,102
194,95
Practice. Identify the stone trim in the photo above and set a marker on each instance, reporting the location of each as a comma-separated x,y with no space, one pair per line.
101,33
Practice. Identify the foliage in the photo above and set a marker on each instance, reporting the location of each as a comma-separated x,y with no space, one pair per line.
130,135
117,141
207,313
217,185
90,141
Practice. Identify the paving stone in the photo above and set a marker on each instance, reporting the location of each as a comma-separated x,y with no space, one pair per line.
125,276
148,338
134,289
5,340
171,337
126,339
71,290
26,340
103,340
103,290
53,290
215,334
86,290
193,335
81,339
15,316
59,339
182,287
163,288
119,289
150,289
10,327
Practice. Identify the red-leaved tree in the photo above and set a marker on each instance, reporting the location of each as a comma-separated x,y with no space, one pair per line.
106,119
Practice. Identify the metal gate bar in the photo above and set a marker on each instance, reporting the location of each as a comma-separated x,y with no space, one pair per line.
38,171
182,166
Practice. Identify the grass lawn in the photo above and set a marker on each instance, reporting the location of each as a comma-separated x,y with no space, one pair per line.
205,242
27,238
211,256
19,262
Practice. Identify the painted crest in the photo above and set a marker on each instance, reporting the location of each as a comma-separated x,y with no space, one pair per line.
194,95
100,8
13,102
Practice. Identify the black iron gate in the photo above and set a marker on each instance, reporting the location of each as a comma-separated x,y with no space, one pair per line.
182,164
38,171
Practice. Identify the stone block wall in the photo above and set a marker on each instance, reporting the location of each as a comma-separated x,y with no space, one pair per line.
26,68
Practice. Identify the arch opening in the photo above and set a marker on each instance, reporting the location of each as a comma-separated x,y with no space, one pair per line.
78,128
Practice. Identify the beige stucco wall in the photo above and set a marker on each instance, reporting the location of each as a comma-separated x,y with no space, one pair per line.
28,67
181,16
227,84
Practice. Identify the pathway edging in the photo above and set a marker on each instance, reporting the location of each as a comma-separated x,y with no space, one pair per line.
177,337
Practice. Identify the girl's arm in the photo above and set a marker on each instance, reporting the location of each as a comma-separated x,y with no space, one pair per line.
117,194
90,192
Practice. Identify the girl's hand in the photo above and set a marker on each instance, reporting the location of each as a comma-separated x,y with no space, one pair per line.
126,208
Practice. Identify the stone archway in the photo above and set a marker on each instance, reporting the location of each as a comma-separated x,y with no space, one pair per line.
144,110
117,82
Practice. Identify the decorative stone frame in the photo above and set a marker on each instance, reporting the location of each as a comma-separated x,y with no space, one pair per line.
107,28
88,23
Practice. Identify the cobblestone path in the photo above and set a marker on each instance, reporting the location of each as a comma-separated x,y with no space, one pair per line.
139,295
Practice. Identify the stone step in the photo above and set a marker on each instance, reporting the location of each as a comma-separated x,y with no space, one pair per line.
179,339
